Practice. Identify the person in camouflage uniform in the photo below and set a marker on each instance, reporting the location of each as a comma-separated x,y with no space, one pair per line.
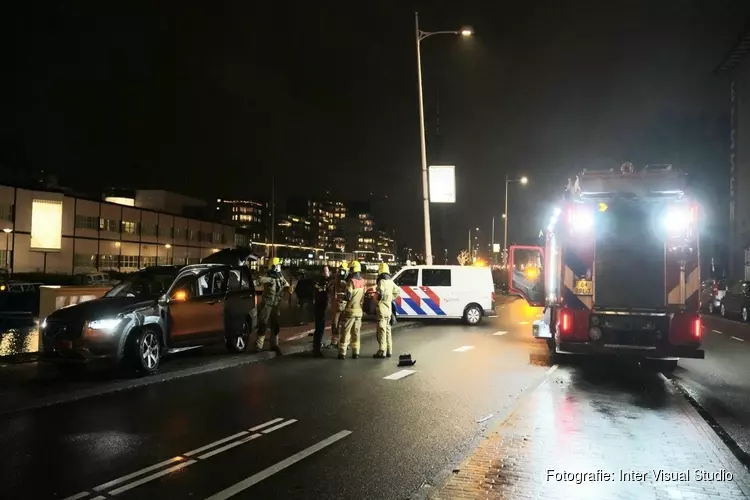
274,286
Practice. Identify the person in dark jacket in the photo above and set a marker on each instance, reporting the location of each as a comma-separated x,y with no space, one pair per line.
320,306
305,292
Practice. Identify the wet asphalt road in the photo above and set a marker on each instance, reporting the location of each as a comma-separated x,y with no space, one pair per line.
720,383
298,427
404,433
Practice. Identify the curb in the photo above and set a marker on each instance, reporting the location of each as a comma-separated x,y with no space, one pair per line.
124,385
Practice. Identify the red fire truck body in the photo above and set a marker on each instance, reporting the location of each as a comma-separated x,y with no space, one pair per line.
620,268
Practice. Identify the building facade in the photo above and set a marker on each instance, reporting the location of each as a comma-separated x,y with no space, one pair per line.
735,67
50,232
251,218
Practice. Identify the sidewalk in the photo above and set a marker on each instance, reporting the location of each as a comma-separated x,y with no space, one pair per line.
586,434
32,385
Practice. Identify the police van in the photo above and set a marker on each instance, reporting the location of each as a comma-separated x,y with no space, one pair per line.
448,292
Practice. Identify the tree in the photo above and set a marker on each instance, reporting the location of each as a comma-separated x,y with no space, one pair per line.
463,257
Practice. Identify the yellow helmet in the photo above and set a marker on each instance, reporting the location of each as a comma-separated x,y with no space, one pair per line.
384,269
344,265
356,267
275,262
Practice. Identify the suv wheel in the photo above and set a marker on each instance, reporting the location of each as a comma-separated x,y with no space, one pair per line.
473,315
144,352
238,342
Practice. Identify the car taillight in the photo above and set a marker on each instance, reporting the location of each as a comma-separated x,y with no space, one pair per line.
566,321
697,328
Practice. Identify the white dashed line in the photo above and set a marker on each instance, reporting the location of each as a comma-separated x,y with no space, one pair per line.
464,348
717,331
137,473
278,467
270,422
551,369
153,476
486,418
523,322
737,338
501,332
277,427
215,443
77,496
400,374
229,446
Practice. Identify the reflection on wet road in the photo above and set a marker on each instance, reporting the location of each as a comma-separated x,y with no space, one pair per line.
18,337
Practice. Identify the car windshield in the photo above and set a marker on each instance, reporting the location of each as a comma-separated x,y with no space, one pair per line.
142,285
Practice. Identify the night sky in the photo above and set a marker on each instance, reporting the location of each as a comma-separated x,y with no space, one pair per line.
211,98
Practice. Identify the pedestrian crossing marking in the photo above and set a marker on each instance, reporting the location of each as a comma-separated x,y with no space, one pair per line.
400,374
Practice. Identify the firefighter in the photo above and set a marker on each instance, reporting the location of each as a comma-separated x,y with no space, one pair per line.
339,304
274,286
387,291
352,316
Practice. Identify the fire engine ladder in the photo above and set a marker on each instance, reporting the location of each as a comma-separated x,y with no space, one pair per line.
653,182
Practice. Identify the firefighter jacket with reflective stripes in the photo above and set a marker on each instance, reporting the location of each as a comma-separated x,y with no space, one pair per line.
274,286
355,295
387,293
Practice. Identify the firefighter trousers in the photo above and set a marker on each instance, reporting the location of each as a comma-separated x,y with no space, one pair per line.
268,318
352,326
385,339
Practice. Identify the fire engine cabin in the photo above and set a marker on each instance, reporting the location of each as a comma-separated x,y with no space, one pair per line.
620,271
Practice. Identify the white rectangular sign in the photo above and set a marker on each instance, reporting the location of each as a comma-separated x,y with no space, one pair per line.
496,248
442,183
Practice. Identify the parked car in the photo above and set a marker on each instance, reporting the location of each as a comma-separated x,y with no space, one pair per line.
736,301
712,291
444,292
151,313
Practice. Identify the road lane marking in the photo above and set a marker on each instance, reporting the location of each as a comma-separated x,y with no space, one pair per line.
153,476
278,467
99,498
400,374
261,426
737,338
501,332
229,446
215,443
484,419
77,496
137,473
717,331
464,348
550,370
277,427
523,322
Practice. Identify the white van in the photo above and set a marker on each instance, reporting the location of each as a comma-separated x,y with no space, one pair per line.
450,292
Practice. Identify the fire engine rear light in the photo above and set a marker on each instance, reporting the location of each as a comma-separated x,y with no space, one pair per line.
580,219
697,328
566,322
595,333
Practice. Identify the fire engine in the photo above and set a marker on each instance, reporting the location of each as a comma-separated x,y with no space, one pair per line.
619,272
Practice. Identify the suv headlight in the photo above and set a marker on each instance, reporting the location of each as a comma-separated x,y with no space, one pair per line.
104,325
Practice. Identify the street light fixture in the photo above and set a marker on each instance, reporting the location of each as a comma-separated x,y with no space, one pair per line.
421,35
523,181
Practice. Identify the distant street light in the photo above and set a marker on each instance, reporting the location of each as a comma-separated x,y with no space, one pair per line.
421,35
521,180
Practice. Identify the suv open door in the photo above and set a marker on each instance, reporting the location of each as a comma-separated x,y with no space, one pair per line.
526,273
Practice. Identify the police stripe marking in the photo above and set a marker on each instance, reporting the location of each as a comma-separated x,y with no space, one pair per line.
418,310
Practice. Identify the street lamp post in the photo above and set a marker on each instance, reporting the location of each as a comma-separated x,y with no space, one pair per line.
421,35
523,181
7,232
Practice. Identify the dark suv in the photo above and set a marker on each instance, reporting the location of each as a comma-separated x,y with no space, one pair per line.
152,312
